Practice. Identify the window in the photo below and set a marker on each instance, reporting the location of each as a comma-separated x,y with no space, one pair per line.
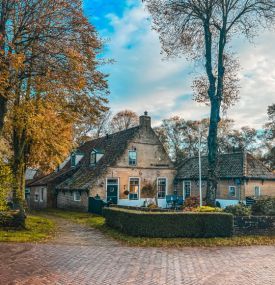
232,191
36,197
42,195
77,196
132,157
133,188
93,158
73,159
187,189
257,191
162,187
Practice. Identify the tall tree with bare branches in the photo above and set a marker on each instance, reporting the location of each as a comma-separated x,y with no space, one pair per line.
202,30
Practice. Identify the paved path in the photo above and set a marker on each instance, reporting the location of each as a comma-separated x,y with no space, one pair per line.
100,261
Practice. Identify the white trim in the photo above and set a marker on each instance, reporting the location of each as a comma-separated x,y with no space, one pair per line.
133,150
40,196
134,177
76,200
260,190
183,190
166,186
235,196
118,186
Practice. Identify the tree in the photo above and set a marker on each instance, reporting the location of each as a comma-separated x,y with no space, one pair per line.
203,30
89,129
53,81
268,138
124,120
180,137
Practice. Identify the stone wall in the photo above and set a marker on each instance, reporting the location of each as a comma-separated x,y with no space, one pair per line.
65,200
254,225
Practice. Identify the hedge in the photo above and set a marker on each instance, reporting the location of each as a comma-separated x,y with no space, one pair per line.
12,219
170,224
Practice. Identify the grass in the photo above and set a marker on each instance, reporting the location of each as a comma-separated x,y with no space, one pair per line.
98,222
37,229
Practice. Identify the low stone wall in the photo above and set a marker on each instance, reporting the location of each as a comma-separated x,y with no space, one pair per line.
66,201
254,225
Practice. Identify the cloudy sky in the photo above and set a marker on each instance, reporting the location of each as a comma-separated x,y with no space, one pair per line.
141,79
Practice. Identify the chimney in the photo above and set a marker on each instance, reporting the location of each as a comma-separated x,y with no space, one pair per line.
145,121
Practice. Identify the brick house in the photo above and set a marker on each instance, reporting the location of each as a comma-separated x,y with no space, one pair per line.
116,167
240,176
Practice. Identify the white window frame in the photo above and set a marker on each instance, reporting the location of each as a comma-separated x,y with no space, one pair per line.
93,152
256,186
41,197
232,196
132,150
183,192
74,195
166,185
138,188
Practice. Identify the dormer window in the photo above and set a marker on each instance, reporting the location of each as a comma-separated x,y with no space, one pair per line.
132,155
95,156
73,159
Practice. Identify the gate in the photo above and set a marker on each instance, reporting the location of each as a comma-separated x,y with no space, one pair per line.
95,205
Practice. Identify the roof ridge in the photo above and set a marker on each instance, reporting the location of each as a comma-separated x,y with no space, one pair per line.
109,135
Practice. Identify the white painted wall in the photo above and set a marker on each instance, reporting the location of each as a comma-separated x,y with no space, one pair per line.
224,203
140,202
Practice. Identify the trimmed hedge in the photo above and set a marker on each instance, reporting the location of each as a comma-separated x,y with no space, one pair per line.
12,219
170,224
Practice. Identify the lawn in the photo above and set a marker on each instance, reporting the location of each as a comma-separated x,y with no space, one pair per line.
37,229
99,223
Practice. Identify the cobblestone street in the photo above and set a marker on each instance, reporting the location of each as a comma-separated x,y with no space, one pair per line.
74,259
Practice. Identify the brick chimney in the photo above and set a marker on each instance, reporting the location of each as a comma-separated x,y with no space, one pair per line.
145,121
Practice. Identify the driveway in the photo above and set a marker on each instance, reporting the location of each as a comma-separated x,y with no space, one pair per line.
84,256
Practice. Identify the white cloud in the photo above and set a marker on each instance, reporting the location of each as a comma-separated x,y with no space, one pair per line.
140,79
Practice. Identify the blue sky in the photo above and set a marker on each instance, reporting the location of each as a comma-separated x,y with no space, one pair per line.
141,79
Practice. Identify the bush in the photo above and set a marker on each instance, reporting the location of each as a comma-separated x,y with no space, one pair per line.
169,224
264,206
238,210
12,219
206,209
191,202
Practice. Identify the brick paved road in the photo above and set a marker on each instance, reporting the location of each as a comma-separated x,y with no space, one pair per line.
100,263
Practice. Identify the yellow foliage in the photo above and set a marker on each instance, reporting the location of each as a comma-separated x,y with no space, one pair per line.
5,184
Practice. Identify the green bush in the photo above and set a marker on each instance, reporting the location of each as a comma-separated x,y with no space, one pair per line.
12,219
264,206
238,210
169,224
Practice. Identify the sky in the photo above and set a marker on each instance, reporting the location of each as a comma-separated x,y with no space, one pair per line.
142,79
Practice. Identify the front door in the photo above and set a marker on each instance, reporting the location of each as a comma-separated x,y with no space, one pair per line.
112,190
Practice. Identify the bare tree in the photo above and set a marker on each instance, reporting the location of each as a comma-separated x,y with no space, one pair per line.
202,30
124,120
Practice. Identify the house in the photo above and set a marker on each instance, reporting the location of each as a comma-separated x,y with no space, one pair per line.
240,175
41,193
116,167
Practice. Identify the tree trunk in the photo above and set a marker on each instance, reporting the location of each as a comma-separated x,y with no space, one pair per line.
3,111
213,152
18,169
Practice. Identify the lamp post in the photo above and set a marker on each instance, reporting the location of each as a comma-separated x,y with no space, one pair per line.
200,165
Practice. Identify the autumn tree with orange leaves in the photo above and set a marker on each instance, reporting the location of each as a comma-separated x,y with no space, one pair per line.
50,81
